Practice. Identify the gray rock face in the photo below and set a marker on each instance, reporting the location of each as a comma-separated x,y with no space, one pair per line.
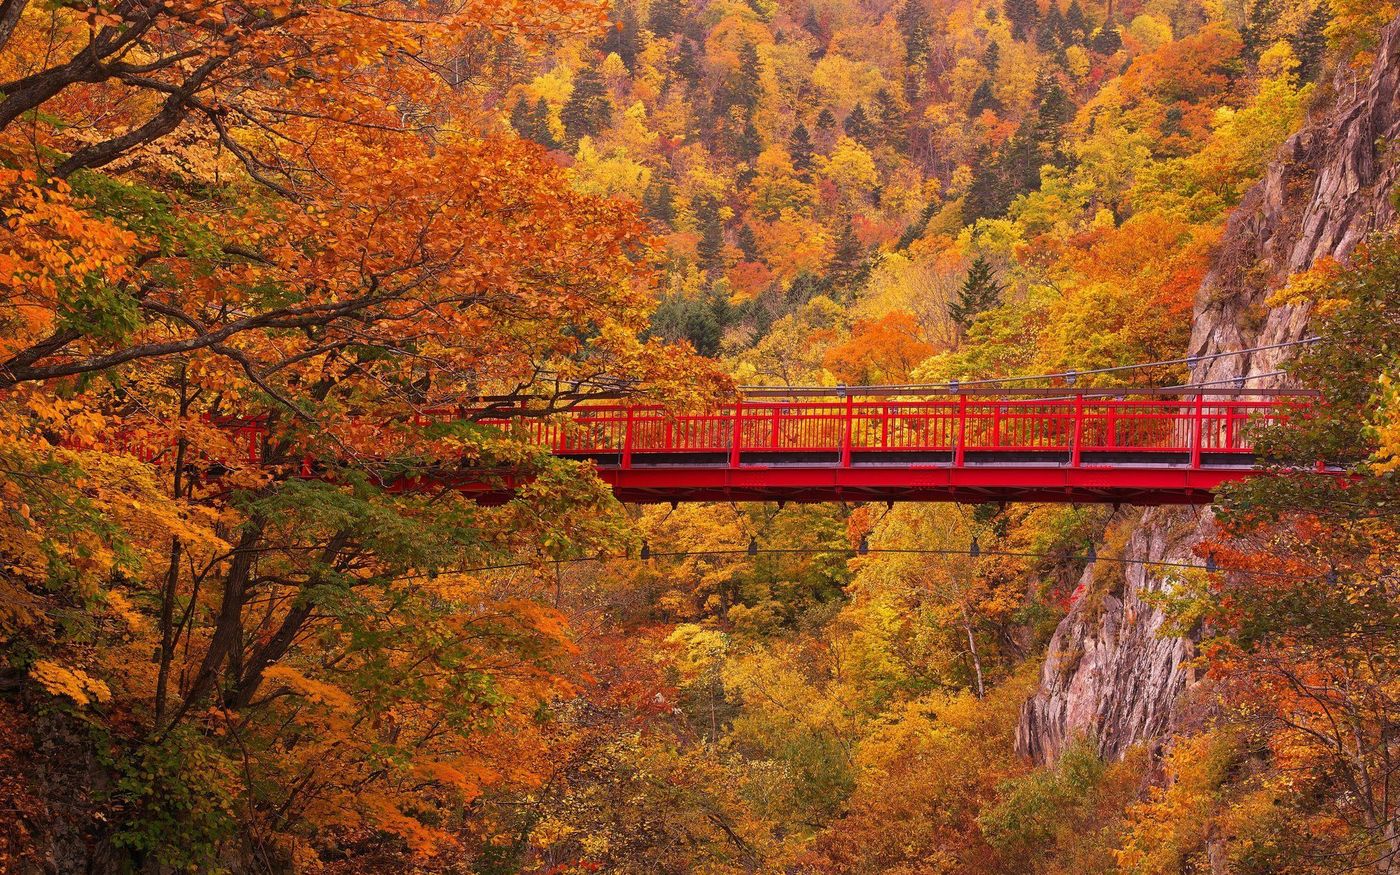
1109,674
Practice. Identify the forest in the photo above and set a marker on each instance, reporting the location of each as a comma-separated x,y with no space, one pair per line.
320,219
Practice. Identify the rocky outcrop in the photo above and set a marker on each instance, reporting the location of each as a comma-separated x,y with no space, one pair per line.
1108,673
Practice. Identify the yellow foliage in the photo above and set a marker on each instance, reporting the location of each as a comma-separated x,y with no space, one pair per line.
1171,826
317,691
78,685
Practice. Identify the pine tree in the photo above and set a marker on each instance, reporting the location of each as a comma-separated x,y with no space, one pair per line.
540,131
914,84
1047,38
800,148
624,36
1055,22
748,243
710,249
1259,21
749,144
531,121
1310,42
688,62
1107,40
749,83
912,19
743,86
660,203
826,120
847,255
1023,15
803,288
980,292
857,125
520,118
1077,22
663,18
588,108
890,118
991,57
1054,110
983,99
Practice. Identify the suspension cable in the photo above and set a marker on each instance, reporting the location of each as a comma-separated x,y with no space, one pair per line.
750,551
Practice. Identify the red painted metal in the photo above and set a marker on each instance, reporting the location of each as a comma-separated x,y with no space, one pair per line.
1150,449
1081,448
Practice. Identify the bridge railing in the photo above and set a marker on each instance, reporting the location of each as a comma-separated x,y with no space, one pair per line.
954,426
1206,428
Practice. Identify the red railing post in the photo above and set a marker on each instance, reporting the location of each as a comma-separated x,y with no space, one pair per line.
885,428
627,438
737,443
996,425
960,451
1078,435
1111,426
1230,411
846,432
1197,429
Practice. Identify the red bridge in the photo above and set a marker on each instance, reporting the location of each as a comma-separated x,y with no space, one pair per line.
1151,448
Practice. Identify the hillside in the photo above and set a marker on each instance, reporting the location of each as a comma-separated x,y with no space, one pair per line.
253,251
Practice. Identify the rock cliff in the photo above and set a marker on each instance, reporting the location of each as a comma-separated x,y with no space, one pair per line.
1108,674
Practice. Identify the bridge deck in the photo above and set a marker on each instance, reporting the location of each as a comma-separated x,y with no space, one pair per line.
1148,449
1074,448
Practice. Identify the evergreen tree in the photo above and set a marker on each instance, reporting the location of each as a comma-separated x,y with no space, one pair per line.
748,243
991,57
1023,15
857,125
688,63
847,256
743,87
1077,22
588,108
826,120
1310,42
914,84
912,20
748,84
980,292
520,118
1255,34
1046,38
710,249
891,119
624,36
540,131
531,121
803,288
1171,121
1054,110
983,99
813,25
1001,178
1055,22
800,148
750,144
660,202
1107,40
663,18
701,321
